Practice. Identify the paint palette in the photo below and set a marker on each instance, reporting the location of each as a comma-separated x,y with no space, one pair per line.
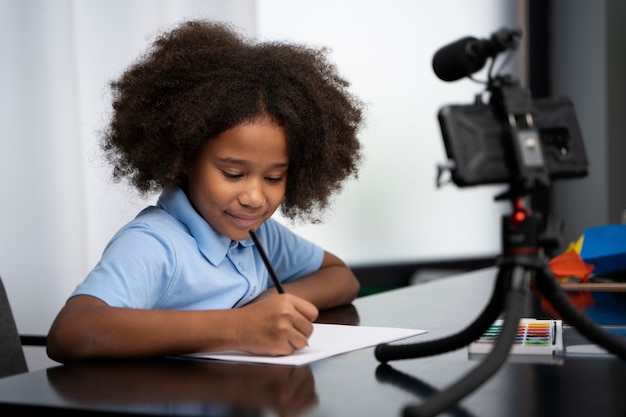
534,337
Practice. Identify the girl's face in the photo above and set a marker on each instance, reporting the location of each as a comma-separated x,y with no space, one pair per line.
239,178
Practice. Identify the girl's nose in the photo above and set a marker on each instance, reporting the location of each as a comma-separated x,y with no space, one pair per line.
252,194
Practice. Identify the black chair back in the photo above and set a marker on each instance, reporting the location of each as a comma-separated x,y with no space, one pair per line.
12,358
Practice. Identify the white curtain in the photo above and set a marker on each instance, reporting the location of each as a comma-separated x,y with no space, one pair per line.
58,206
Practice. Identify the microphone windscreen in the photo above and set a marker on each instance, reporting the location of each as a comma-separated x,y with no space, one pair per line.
457,60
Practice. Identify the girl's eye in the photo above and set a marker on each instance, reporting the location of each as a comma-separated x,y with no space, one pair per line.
231,175
236,175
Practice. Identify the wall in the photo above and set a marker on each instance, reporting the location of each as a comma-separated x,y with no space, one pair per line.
588,65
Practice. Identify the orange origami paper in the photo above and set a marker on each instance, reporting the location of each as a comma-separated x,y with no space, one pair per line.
566,266
570,264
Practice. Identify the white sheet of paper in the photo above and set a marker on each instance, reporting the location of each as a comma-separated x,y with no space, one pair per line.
327,340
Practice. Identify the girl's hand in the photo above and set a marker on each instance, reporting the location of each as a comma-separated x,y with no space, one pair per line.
275,324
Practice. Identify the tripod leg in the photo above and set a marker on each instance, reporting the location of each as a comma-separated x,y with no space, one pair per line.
548,285
386,352
515,302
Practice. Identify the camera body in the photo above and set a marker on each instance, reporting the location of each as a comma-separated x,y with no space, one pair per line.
481,146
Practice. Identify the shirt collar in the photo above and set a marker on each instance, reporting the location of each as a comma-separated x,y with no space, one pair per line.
213,245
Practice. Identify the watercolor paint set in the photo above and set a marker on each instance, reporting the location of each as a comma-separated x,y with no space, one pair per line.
534,337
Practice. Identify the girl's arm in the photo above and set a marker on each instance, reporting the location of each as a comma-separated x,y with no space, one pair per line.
86,327
332,285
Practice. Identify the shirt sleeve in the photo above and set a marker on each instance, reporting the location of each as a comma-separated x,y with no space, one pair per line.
135,270
291,255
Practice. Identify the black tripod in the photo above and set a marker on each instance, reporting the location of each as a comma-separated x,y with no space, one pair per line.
527,165
522,260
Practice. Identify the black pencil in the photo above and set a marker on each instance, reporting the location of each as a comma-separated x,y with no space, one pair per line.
266,260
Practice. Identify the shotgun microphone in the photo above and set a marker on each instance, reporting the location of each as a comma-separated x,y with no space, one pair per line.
467,55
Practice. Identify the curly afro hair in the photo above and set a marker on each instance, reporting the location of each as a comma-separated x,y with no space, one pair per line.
201,79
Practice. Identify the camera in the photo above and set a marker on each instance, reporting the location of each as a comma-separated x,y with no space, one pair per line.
512,138
479,144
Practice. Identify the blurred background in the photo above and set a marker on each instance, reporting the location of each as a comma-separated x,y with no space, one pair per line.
58,206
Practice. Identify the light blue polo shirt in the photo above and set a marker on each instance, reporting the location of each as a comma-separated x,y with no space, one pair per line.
169,257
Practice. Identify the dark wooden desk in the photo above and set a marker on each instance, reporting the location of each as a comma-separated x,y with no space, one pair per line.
353,384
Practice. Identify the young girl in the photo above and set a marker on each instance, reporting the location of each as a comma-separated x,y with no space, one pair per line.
228,131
